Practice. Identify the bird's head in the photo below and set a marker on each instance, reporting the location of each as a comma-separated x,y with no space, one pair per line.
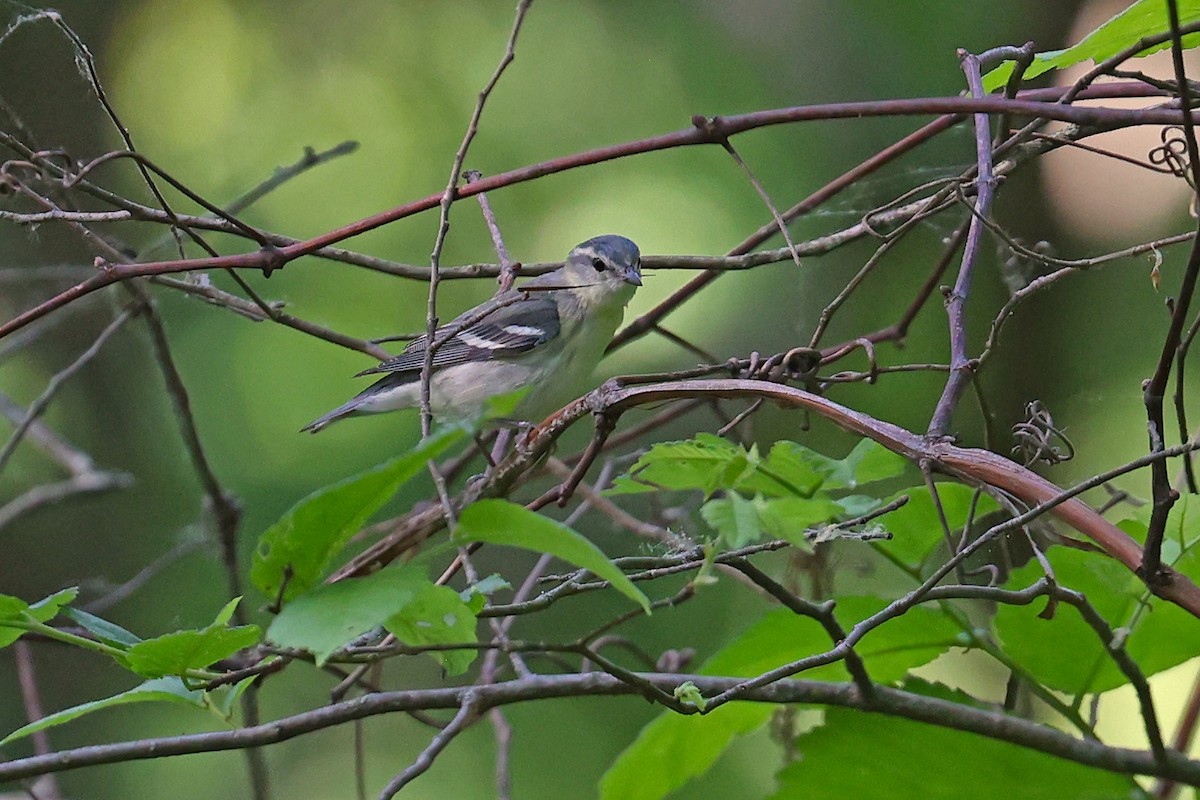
607,260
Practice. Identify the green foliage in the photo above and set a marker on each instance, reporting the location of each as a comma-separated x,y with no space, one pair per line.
783,495
401,599
102,629
853,754
169,690
169,659
16,614
1148,627
505,523
916,528
1143,18
673,748
180,652
293,554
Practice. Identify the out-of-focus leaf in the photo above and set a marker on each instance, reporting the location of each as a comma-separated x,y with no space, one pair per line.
867,462
296,550
502,522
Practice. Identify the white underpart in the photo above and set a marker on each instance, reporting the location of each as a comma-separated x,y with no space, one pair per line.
522,330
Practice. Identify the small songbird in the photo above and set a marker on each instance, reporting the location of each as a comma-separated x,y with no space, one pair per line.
546,335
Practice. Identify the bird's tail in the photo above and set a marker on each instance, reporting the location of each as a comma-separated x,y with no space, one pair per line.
333,416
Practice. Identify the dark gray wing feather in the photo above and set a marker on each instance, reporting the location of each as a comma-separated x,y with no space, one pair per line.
506,332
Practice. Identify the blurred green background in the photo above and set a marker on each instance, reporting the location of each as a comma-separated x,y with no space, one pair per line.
219,93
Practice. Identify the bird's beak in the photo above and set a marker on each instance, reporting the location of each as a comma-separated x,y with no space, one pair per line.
632,276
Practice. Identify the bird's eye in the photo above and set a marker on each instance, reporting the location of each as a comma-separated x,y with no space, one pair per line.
599,265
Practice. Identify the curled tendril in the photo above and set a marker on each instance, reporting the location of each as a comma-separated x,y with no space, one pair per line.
1172,153
1037,439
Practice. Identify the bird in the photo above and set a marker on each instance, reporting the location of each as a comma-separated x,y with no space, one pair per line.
546,335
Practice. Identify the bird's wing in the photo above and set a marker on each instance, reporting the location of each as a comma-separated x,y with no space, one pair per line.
508,331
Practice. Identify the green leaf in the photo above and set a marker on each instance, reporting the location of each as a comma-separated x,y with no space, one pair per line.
1151,627
673,749
328,617
838,764
437,615
504,405
868,462
689,692
298,549
16,610
856,505
785,472
502,522
915,526
1143,18
734,518
403,599
710,464
1181,532
169,690
740,522
223,700
102,629
706,462
792,517
475,595
177,653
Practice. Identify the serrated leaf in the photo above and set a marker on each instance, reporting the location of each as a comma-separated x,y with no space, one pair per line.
502,522
178,652
1143,18
673,749
837,765
298,549
740,522
699,463
866,462
169,690
784,473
